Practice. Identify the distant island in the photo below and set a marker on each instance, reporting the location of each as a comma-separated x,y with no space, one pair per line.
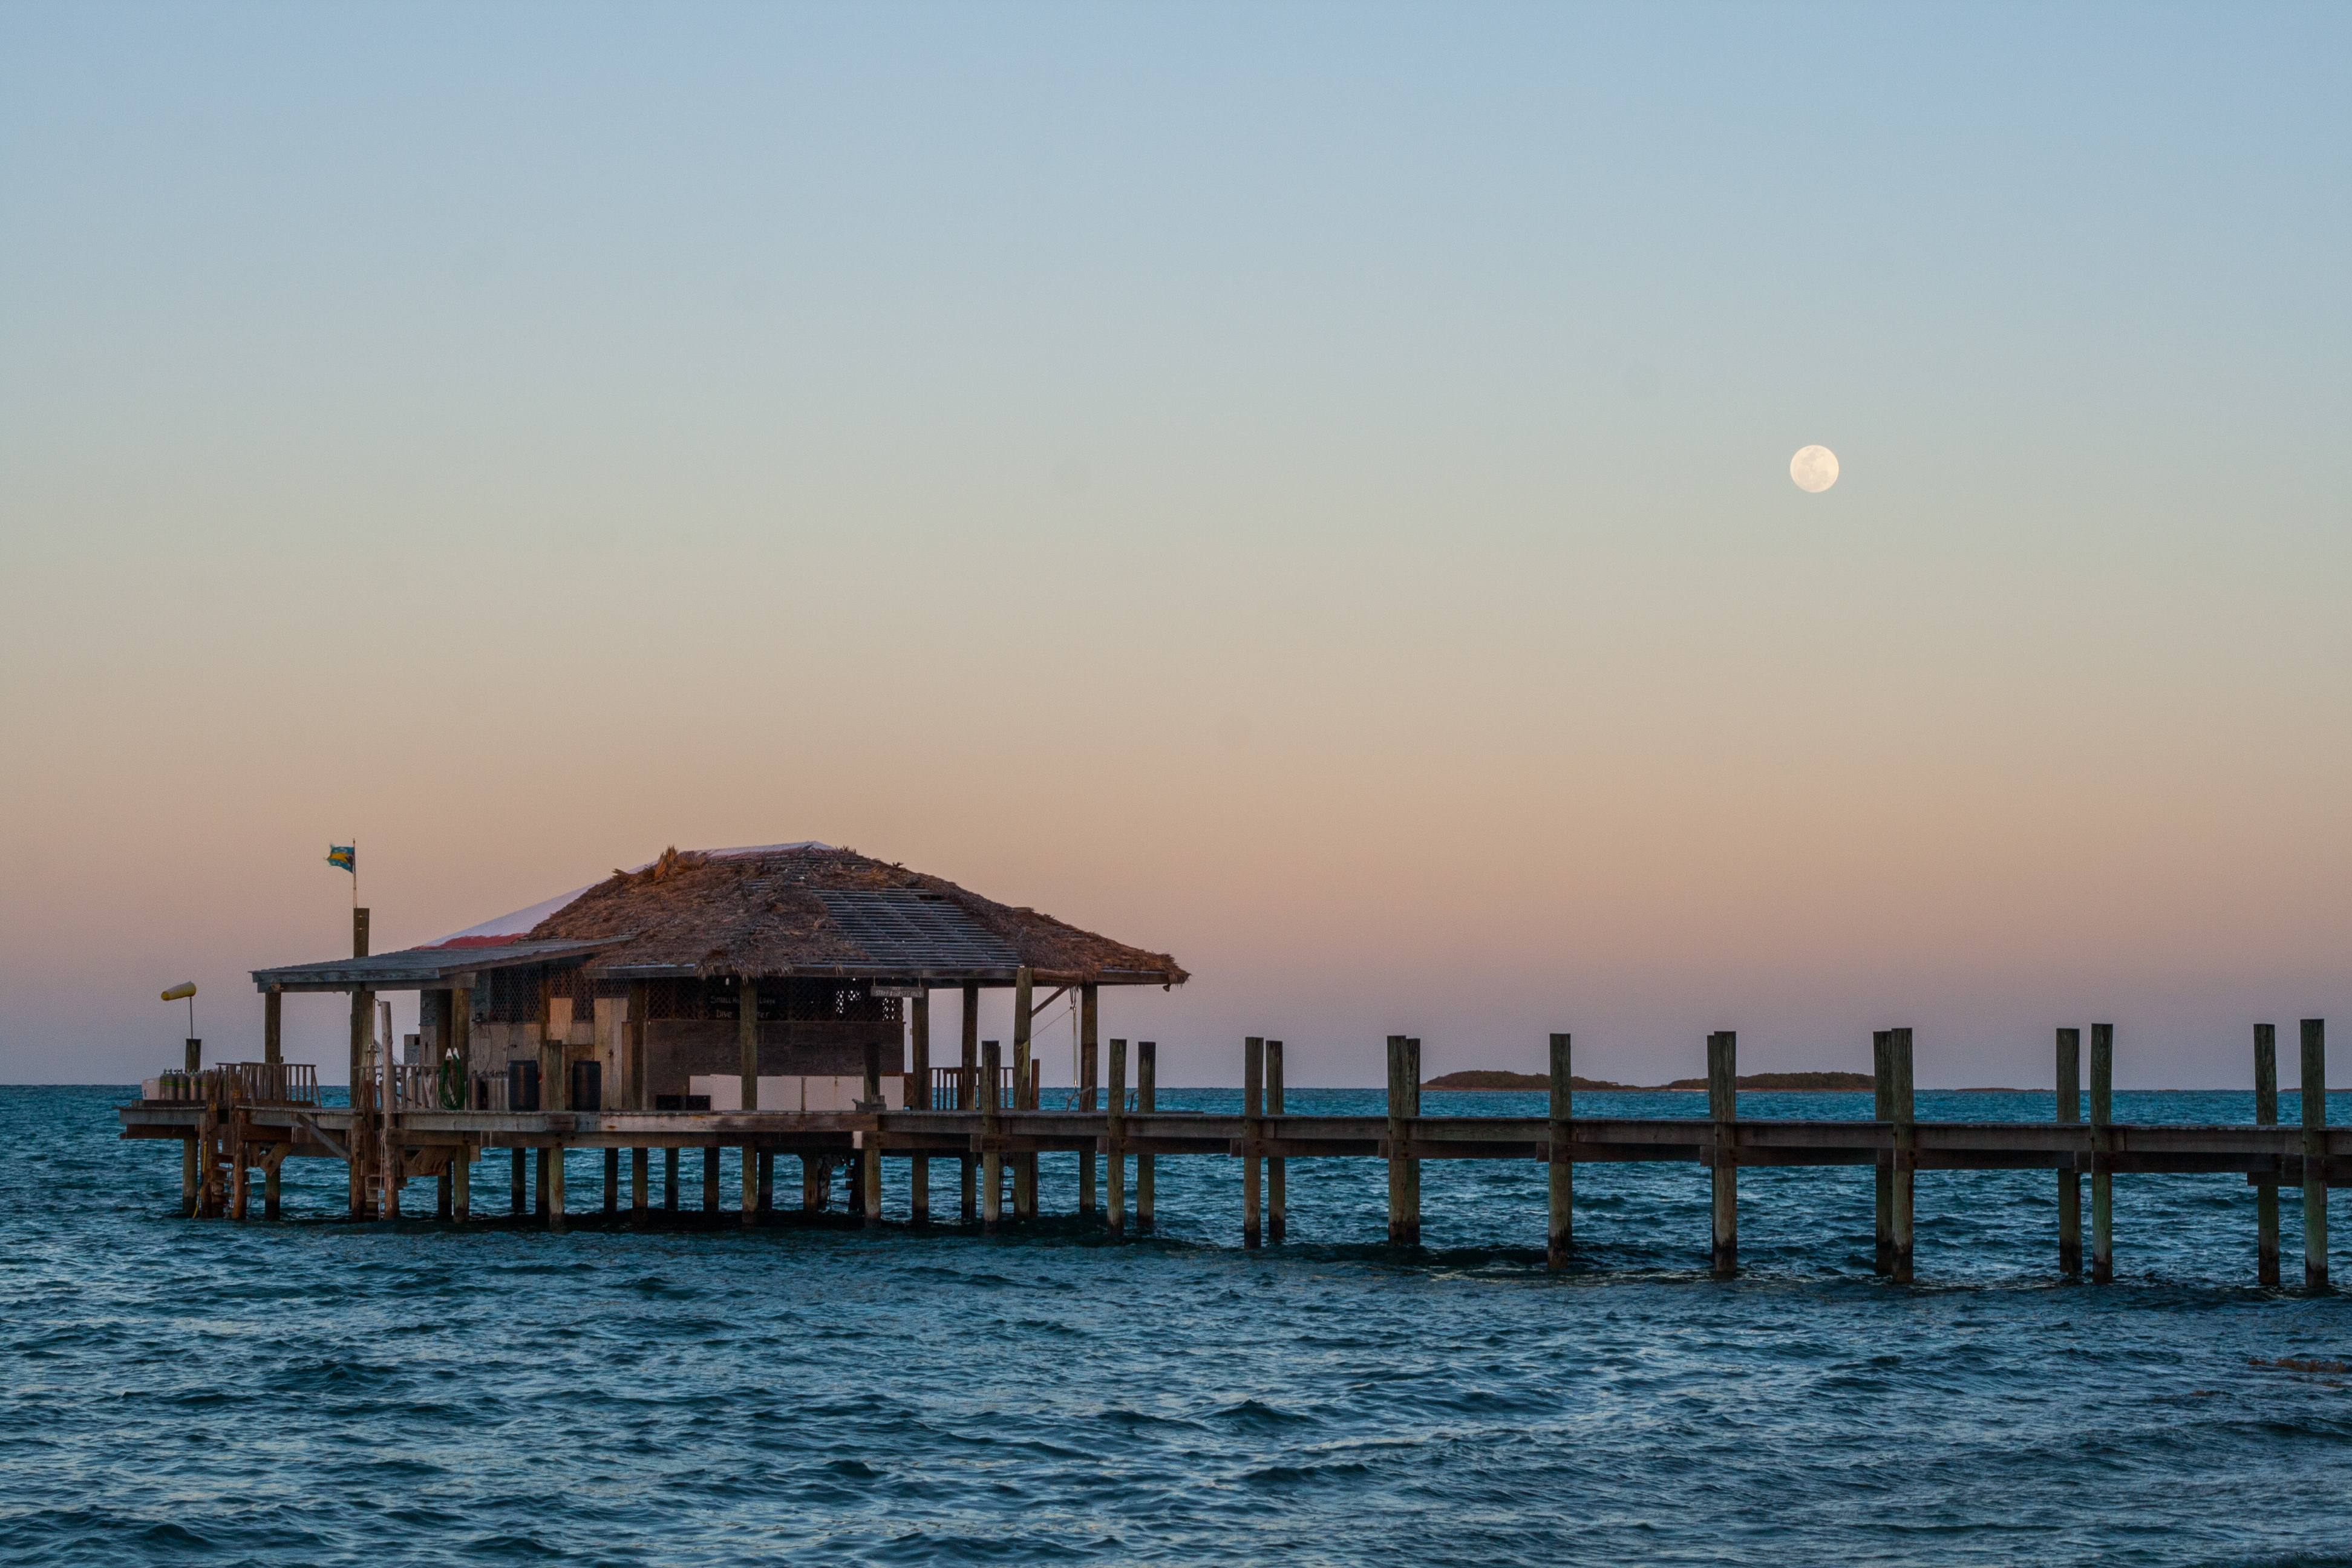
1491,1079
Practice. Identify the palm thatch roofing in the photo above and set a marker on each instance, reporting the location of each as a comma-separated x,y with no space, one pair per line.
774,910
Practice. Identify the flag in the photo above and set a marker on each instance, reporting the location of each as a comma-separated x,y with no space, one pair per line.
344,855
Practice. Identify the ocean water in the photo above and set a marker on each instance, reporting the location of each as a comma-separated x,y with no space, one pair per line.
314,1391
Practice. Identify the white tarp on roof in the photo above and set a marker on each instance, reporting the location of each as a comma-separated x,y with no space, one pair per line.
509,927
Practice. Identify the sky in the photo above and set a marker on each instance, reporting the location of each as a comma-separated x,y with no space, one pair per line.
1301,486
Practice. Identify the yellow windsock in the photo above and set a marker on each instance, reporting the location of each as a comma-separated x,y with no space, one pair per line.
184,989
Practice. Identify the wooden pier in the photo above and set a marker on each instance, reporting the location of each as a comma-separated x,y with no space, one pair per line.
243,1119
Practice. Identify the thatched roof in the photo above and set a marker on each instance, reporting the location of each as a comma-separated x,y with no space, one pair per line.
815,909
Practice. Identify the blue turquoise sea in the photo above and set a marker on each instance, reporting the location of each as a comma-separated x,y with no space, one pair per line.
315,1391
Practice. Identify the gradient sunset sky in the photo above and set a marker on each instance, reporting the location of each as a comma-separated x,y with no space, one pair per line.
1303,487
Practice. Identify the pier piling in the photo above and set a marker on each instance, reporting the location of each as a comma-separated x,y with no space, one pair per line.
1404,1171
1277,1166
611,1185
1115,1143
461,1185
1722,1104
746,1045
1560,1194
1882,1079
2266,1112
2103,1178
2069,1110
1089,1052
554,1169
1146,1101
2314,1154
919,1098
1253,1107
669,1180
711,1178
992,1138
640,1179
1906,1154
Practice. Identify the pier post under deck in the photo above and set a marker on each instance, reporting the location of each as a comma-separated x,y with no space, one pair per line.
1024,1166
521,1198
1561,1183
1115,1143
919,1098
2266,1208
1146,1101
555,1188
991,1127
1722,1106
967,1095
461,1187
1882,1083
669,1180
640,1178
711,1178
1277,1170
869,1163
2103,1181
2314,1154
2070,1180
1253,1107
1404,1172
1089,1058
611,1185
1906,1154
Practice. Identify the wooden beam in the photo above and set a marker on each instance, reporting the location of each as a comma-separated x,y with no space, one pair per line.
1882,1083
273,1032
1404,1173
967,1095
869,1166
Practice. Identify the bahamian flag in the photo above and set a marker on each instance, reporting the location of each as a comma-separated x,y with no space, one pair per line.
344,855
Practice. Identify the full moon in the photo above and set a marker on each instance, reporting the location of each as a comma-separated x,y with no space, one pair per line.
1814,468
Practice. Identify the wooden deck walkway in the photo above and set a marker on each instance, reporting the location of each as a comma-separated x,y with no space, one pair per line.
226,1138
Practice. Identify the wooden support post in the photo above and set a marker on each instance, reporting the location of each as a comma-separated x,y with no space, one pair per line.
1088,1084
546,1175
991,1127
639,1003
669,1180
1906,1155
2070,1180
1146,1101
811,1187
967,1096
2266,1225
521,1198
554,1171
1882,1083
1115,1143
188,1176
445,1194
2314,1154
919,1098
1253,1107
273,1031
747,1042
611,1185
711,1178
461,1185
869,1165
1562,1172
1024,1166
362,1027
766,1181
640,1178
1276,1168
1404,1107
1723,1110
2103,1181
461,1039
237,1169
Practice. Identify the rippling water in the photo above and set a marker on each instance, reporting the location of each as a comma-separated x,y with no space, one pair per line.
314,1391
